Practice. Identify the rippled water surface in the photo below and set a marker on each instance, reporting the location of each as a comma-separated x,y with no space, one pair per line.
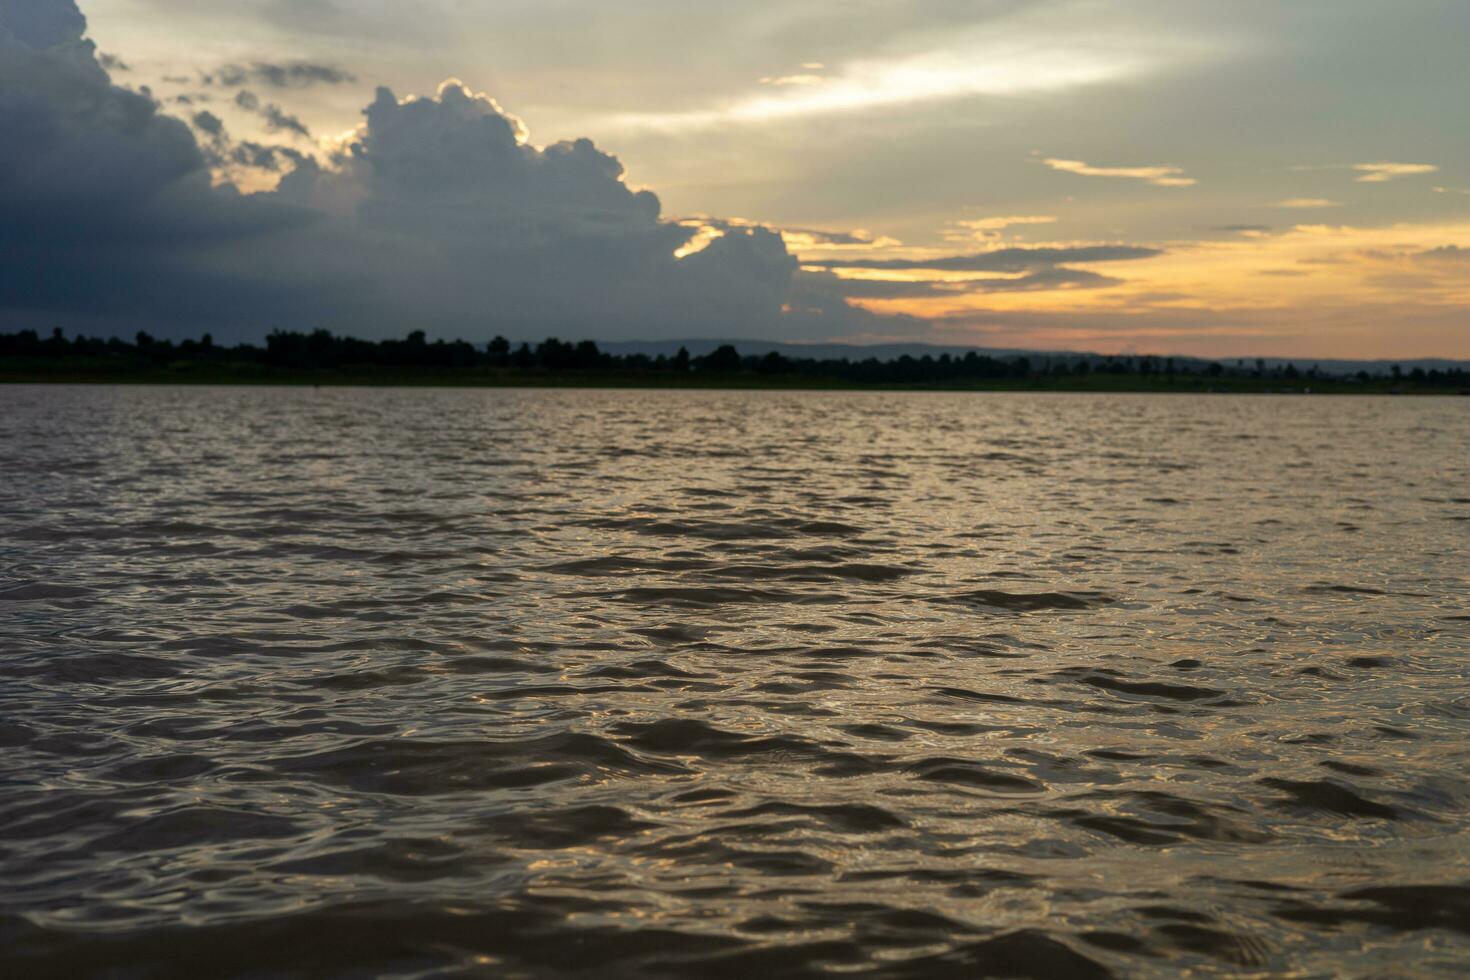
501,683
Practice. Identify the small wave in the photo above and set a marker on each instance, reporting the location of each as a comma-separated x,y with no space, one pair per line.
1229,947
196,826
1024,955
973,775
852,818
415,767
815,573
710,596
564,827
167,768
42,592
1152,689
96,668
1399,908
1325,796
408,860
1344,589
1028,601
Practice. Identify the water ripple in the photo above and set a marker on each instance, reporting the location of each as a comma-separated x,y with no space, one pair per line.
498,683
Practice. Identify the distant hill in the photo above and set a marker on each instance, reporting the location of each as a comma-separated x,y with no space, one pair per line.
698,347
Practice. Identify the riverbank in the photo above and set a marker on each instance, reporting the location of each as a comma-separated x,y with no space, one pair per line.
192,373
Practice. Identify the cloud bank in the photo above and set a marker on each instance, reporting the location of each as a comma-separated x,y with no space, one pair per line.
436,213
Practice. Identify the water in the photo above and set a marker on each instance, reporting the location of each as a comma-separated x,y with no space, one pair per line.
501,683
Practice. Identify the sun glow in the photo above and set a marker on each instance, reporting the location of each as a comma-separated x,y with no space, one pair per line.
1324,267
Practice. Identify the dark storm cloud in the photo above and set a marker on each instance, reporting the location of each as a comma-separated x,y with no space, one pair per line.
112,63
39,24
264,156
290,75
440,214
471,221
221,151
1002,260
277,120
86,163
209,123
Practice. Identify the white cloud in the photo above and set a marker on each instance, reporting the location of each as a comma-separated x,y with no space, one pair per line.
1159,176
784,80
1381,173
1307,202
985,229
992,68
1007,221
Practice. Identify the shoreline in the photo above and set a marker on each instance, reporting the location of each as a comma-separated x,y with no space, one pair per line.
739,381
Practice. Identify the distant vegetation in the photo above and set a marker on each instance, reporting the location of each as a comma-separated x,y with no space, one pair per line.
322,358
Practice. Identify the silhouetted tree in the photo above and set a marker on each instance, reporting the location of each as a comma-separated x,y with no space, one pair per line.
725,358
320,350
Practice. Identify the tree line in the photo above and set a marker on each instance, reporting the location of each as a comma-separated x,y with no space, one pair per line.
321,350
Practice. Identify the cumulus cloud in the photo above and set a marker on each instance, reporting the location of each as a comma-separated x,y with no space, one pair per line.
39,26
1158,176
86,164
438,213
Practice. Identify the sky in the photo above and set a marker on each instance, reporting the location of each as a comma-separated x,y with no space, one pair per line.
1162,176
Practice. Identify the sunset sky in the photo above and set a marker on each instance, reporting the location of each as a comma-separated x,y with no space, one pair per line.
1165,176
